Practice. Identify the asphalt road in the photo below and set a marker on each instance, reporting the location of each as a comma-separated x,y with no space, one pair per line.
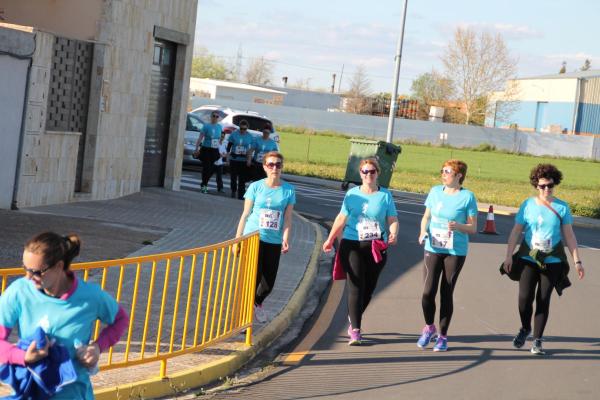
480,363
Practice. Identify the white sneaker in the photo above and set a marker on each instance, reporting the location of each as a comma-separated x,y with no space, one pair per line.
260,314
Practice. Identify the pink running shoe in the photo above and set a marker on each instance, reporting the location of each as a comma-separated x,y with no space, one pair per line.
355,338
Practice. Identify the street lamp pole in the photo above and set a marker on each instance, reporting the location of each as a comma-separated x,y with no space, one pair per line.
394,103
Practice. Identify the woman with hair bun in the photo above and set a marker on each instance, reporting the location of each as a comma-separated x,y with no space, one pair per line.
51,297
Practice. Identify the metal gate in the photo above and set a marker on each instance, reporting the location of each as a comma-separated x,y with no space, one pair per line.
159,114
68,98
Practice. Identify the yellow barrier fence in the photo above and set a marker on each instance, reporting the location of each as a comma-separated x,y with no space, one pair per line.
178,303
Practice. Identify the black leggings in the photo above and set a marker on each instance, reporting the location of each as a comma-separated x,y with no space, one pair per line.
362,273
208,156
434,264
239,172
266,272
530,278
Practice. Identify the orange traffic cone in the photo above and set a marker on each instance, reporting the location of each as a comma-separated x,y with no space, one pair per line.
490,225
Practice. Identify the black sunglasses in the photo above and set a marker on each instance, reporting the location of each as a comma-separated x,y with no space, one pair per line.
37,272
272,165
368,171
214,116
549,186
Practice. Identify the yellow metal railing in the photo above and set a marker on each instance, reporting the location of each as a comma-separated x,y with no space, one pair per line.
178,303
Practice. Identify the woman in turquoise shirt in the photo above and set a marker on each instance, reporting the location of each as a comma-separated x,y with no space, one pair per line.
268,209
450,216
261,146
541,264
367,213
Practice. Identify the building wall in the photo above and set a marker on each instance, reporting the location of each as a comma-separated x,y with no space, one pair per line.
524,115
308,99
534,143
77,19
251,96
588,113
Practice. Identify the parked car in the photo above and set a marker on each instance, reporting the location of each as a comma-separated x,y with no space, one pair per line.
230,119
193,126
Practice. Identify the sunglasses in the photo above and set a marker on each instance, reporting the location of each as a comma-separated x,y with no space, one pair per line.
549,186
214,116
368,171
243,128
272,165
37,272
447,171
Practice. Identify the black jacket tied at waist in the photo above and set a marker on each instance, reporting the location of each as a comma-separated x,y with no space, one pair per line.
539,256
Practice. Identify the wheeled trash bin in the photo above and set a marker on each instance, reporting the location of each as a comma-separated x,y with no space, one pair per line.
386,153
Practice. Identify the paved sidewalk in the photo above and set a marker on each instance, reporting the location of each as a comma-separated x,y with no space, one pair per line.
170,221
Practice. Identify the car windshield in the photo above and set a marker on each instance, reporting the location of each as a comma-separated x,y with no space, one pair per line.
255,123
193,123
191,136
205,114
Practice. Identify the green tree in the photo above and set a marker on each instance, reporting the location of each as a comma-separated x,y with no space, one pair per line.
206,65
431,89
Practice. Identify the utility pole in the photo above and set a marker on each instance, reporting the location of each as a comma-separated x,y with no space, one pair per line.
394,103
340,83
333,84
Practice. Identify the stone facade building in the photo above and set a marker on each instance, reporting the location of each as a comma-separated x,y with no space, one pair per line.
95,96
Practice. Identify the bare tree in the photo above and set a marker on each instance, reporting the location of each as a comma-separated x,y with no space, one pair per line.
259,72
478,64
300,83
357,100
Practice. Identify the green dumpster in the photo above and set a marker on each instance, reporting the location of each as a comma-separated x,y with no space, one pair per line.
386,153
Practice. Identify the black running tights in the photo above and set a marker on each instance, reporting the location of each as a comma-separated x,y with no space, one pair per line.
434,265
530,279
266,273
362,273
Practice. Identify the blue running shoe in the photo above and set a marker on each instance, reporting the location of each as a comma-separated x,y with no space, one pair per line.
441,344
427,335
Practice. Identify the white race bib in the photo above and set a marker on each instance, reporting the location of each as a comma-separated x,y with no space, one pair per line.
214,143
541,243
240,150
442,238
368,229
269,219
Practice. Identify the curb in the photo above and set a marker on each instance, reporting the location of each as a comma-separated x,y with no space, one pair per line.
181,381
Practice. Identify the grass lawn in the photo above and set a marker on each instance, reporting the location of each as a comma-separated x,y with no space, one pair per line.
494,177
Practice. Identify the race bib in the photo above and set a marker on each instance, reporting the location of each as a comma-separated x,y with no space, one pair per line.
541,243
368,229
259,157
214,143
269,219
240,150
442,238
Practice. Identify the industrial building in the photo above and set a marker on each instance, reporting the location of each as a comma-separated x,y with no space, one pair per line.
566,103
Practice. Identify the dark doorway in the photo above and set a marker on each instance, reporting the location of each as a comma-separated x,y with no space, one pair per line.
159,113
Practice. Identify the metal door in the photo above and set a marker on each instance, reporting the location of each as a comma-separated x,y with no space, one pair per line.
540,116
159,114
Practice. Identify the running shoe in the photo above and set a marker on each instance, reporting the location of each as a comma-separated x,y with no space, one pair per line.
441,344
260,314
204,189
537,347
427,335
521,338
355,338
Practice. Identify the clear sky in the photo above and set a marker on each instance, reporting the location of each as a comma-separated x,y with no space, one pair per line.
311,40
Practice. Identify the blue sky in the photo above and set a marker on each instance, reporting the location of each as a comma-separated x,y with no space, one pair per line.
311,40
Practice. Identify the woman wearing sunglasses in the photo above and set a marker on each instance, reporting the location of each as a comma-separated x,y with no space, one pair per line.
268,209
261,146
368,213
51,297
540,265
207,149
450,216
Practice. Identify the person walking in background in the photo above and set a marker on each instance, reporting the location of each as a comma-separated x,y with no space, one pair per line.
268,209
51,298
540,265
240,164
219,163
450,216
207,148
367,213
261,146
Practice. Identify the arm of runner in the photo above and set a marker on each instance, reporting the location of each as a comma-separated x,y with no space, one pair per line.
571,240
248,204
287,226
393,229
424,224
513,238
336,230
470,227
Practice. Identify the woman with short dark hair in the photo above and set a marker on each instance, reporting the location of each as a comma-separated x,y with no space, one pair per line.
540,265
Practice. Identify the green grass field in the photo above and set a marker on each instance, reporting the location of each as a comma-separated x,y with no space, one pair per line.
495,177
